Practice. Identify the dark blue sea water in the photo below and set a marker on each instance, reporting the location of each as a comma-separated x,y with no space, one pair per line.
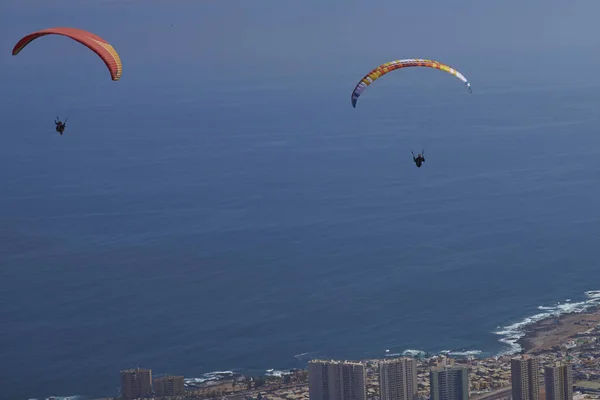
189,227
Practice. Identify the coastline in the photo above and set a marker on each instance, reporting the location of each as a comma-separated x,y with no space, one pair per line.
535,334
549,332
555,331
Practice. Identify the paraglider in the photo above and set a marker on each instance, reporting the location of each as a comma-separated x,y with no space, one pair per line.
419,159
101,47
60,126
383,69
94,42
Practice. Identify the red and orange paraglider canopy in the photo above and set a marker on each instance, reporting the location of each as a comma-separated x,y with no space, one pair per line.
94,42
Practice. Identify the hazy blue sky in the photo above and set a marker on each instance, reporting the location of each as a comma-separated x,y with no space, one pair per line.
242,38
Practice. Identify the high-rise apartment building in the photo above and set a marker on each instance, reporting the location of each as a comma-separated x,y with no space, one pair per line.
525,378
136,383
559,382
168,386
336,380
449,383
398,379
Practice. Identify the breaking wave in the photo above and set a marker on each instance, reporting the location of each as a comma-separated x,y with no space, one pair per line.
75,397
423,354
210,377
277,373
511,334
305,356
414,353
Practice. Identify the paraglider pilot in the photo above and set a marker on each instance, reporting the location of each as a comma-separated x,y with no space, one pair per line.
419,159
60,126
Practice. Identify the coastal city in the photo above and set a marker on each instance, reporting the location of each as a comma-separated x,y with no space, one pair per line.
559,361
300,200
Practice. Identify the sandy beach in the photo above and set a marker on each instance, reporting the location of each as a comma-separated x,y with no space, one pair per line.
547,334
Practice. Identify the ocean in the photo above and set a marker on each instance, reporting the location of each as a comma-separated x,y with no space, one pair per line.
252,224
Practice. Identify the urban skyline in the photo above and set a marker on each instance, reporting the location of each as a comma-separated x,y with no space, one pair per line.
388,379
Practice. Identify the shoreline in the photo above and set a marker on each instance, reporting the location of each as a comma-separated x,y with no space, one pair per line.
553,332
549,331
537,337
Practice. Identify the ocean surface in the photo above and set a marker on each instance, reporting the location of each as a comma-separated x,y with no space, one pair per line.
247,224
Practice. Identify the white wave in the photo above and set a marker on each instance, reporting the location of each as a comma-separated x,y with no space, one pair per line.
414,353
422,353
209,377
308,354
277,373
214,373
512,333
64,397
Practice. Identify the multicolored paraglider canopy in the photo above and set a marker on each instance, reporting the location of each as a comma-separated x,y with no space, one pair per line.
94,42
383,69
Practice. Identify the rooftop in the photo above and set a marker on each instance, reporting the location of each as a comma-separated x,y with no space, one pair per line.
593,385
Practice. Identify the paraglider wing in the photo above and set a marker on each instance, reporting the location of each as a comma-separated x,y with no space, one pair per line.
383,69
94,42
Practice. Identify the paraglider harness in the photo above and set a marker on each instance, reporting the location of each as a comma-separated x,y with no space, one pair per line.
60,126
420,159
